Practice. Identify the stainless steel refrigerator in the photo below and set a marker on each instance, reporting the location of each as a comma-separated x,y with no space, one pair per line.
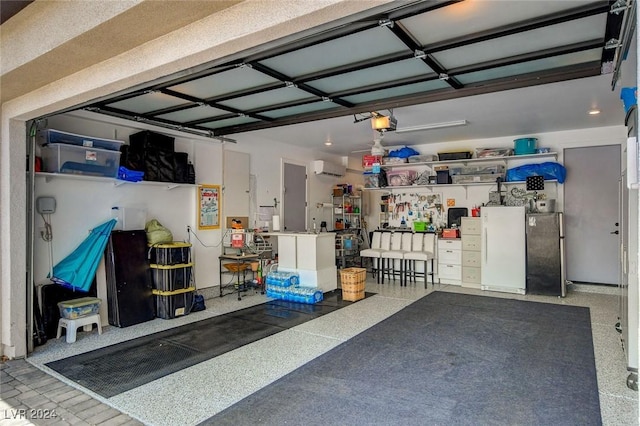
545,254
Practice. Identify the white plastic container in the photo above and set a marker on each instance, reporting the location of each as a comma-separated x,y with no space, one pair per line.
129,218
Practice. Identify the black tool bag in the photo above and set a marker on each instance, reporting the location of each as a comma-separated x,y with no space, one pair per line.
181,167
146,140
159,166
151,153
191,173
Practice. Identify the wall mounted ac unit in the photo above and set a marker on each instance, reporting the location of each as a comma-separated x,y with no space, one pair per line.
321,167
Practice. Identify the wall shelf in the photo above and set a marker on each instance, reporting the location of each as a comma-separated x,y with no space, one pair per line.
504,159
449,185
48,177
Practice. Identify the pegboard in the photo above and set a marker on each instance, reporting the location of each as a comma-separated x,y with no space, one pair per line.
422,207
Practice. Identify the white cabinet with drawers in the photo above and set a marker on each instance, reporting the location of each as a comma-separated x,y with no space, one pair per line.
471,255
450,261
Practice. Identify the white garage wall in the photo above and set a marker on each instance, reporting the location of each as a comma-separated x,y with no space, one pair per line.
266,157
83,204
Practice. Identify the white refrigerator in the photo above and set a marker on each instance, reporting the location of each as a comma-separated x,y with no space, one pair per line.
503,249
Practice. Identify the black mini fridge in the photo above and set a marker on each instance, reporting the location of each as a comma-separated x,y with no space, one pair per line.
545,254
129,296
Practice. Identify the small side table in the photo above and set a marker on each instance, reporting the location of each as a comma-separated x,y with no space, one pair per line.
236,258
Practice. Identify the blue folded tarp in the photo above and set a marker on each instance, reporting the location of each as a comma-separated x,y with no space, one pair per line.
77,270
548,170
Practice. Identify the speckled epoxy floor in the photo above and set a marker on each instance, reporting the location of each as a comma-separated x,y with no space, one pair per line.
197,393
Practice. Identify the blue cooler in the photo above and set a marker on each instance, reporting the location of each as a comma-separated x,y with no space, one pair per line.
524,146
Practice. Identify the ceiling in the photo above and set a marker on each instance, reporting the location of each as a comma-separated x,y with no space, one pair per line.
35,57
486,62
528,111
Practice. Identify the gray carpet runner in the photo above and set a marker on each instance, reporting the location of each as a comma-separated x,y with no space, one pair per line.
447,359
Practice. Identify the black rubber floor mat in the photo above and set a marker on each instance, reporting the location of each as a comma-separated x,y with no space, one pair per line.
117,368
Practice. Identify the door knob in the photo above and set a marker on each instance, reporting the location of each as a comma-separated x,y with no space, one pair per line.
615,232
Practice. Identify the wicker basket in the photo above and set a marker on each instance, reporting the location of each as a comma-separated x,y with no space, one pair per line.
236,267
352,282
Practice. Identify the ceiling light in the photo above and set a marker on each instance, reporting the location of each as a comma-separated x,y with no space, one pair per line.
433,126
328,143
381,122
594,112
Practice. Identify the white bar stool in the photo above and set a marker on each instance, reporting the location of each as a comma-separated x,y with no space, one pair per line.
72,326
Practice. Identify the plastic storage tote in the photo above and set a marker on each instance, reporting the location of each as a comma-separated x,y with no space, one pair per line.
403,177
171,277
76,308
170,254
172,304
47,136
63,158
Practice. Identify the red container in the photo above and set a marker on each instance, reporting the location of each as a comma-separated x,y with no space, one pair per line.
369,160
449,233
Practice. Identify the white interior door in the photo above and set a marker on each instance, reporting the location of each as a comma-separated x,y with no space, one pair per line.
592,216
294,205
235,202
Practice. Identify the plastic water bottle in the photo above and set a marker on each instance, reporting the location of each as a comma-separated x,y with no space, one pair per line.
294,279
